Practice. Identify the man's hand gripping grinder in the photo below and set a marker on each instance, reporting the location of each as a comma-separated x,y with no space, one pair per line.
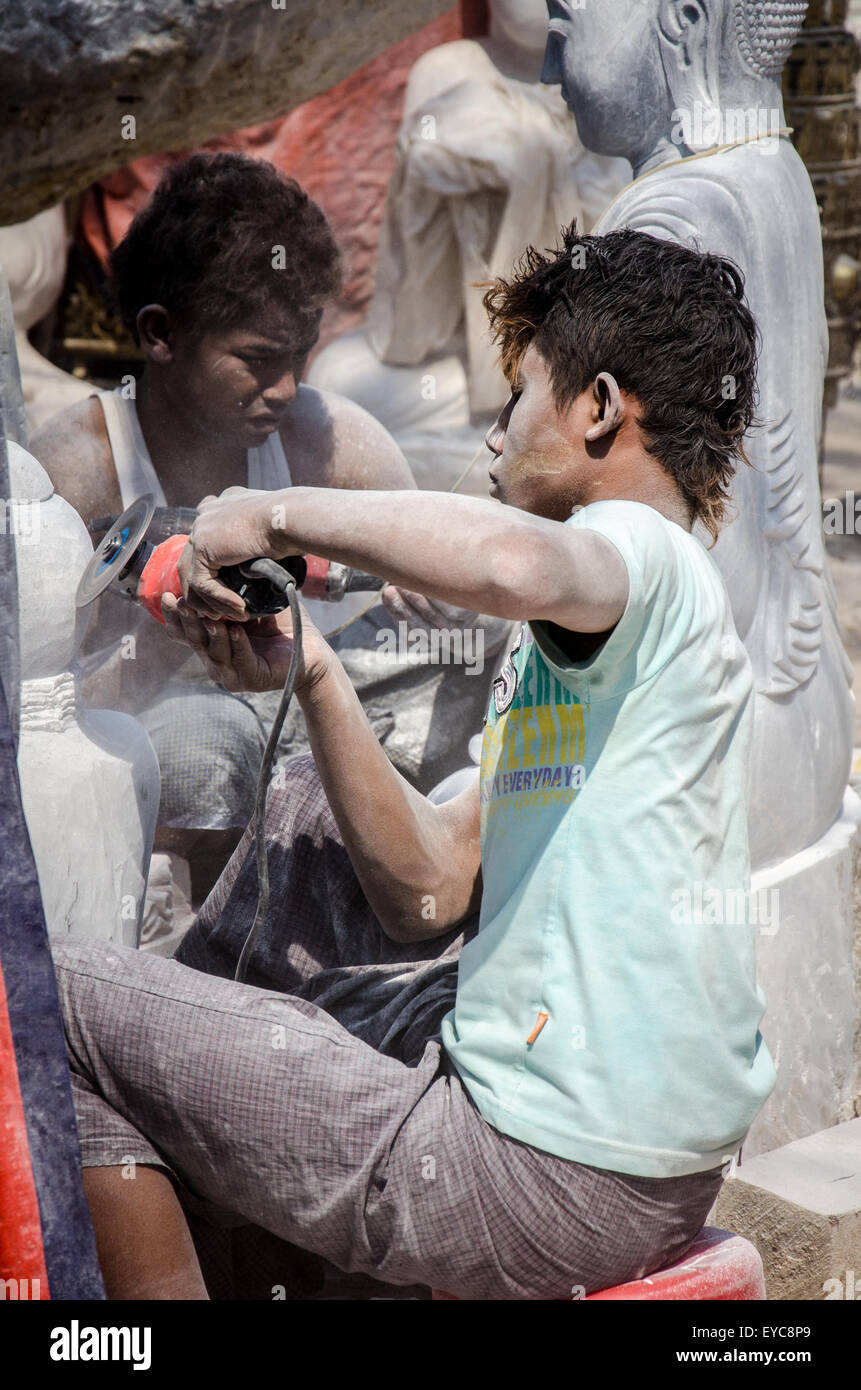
139,555
139,558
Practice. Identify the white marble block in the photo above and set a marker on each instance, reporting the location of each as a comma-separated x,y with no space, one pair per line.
89,778
805,967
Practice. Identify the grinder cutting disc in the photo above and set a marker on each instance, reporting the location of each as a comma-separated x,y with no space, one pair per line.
116,550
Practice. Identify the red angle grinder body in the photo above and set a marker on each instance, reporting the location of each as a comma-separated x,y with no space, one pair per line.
131,564
160,575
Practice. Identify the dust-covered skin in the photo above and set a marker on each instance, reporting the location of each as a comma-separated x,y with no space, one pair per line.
549,462
203,402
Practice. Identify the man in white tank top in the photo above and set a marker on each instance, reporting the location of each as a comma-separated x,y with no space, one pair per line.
222,278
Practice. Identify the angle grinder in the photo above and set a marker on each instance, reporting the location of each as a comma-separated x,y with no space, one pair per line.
138,557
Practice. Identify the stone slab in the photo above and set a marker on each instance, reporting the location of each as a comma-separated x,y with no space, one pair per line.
800,1205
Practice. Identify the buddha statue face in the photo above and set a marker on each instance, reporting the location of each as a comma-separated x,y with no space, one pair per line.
624,66
520,22
603,56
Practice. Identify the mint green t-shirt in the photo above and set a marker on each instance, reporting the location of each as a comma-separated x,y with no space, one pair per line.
607,1010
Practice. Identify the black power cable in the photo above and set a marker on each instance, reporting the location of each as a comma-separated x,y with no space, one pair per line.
285,584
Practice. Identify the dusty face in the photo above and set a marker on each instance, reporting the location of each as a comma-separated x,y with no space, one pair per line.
523,22
237,383
542,463
603,55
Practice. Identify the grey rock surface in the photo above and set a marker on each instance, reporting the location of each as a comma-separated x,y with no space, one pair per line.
801,1207
73,71
11,396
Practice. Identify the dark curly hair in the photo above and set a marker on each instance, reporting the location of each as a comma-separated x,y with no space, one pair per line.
669,323
205,247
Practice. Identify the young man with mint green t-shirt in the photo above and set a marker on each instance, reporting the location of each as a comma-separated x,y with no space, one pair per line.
608,786
553,1106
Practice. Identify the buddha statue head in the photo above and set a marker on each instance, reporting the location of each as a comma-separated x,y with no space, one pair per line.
652,79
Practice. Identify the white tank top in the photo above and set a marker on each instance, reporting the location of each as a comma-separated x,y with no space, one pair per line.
267,466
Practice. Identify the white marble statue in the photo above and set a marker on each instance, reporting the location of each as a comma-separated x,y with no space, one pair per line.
684,90
488,161
33,255
89,778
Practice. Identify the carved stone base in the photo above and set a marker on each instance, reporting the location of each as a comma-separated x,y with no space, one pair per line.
805,968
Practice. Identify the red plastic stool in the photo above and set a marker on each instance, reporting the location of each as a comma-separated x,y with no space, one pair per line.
718,1267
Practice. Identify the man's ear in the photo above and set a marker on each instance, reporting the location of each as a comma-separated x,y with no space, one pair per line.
156,333
609,407
689,36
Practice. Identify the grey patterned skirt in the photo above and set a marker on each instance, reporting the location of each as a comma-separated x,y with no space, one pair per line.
315,1106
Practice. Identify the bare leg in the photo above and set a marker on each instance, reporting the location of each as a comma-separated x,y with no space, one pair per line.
144,1244
207,852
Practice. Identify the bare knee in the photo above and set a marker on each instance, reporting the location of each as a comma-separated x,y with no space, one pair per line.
144,1244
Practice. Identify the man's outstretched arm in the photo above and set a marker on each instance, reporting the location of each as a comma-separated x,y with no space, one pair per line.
476,554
